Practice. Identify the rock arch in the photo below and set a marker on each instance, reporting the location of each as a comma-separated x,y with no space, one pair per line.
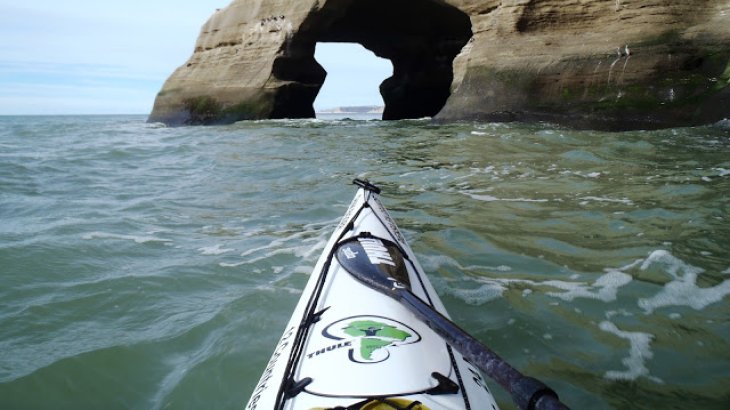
275,55
421,38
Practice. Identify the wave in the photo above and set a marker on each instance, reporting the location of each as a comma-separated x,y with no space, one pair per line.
135,238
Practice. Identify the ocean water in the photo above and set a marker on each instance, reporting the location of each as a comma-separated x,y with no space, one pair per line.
144,267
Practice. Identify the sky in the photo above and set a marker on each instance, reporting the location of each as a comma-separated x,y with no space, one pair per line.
62,57
354,75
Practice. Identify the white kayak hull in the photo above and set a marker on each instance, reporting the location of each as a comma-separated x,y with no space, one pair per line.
349,346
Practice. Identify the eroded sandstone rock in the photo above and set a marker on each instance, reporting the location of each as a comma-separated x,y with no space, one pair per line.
613,64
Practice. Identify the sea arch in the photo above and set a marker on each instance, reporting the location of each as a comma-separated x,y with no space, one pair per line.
255,59
421,39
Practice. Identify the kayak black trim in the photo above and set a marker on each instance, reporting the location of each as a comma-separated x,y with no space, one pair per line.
449,349
366,185
310,317
445,386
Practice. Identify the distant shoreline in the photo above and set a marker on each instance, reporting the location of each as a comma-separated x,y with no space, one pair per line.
361,109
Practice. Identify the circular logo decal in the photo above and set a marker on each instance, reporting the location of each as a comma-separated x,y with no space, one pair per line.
370,338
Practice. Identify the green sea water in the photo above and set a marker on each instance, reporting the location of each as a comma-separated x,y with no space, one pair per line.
144,267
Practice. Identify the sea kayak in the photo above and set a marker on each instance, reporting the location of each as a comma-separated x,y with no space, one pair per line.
348,346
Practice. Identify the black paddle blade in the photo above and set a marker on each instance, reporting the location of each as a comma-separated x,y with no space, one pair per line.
377,262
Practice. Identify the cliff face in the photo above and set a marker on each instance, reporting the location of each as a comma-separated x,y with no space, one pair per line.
613,64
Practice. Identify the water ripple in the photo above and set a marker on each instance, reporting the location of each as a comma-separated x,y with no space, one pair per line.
150,267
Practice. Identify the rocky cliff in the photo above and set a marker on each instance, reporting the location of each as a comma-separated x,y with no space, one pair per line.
614,64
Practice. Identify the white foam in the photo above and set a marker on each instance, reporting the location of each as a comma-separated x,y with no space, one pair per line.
604,288
581,174
722,171
436,262
306,270
490,198
500,268
485,198
682,290
639,353
231,265
525,200
621,312
273,289
309,251
487,292
625,201
253,250
306,246
137,239
270,254
214,250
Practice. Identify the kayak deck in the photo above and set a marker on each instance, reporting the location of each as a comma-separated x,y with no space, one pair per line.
349,346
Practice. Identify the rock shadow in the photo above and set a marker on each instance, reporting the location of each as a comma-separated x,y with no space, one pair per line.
421,38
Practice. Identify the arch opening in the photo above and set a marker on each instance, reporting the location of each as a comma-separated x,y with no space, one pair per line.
354,75
420,38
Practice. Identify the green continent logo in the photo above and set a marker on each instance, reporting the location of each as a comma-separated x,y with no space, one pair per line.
369,339
374,336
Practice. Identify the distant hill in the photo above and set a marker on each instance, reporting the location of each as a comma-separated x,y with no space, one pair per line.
362,109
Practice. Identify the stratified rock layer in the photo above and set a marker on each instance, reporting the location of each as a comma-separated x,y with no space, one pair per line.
612,64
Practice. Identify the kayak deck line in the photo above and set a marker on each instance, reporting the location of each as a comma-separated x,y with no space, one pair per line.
367,332
293,385
289,387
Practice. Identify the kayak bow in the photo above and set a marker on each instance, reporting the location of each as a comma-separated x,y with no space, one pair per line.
370,332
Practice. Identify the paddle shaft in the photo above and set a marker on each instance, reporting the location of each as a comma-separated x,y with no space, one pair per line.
527,392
